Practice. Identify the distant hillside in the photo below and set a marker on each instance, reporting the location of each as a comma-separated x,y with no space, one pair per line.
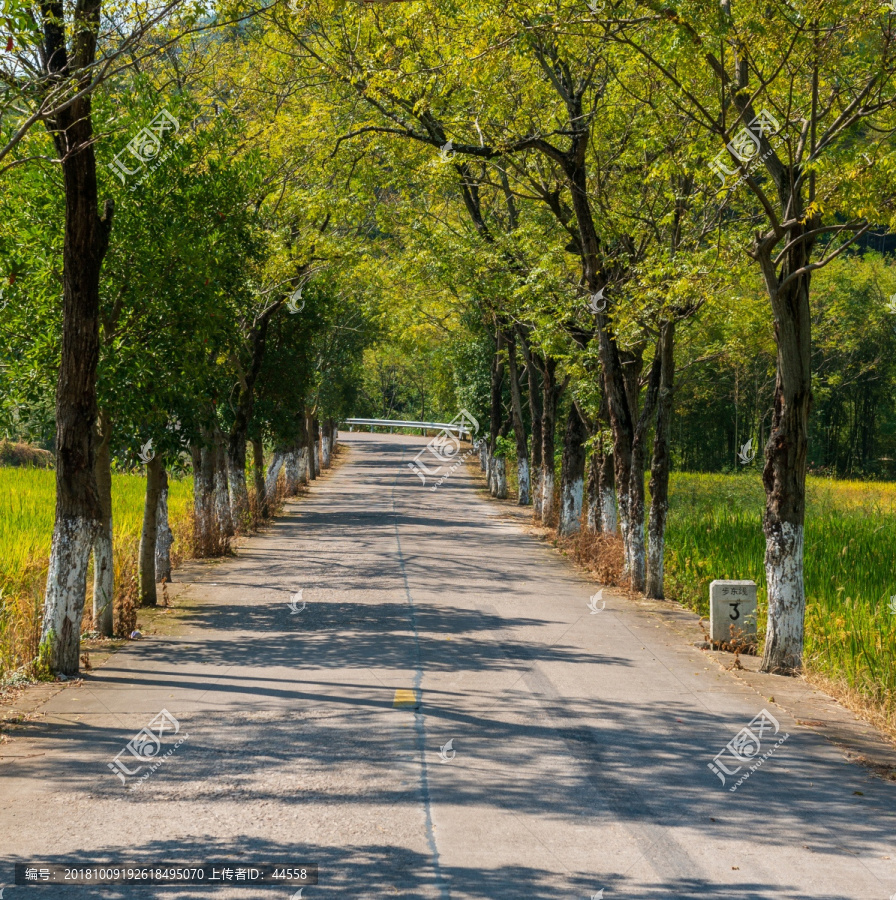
14,454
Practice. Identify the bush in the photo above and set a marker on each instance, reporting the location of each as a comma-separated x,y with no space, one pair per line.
25,456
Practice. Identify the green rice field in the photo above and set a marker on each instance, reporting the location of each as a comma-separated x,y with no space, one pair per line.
715,531
27,502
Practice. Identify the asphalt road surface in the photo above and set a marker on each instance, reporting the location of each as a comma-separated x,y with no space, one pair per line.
439,715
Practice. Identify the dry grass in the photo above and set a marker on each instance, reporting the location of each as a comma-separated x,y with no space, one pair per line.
858,702
25,456
27,503
601,554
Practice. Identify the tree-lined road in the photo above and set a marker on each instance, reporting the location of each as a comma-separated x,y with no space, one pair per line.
581,740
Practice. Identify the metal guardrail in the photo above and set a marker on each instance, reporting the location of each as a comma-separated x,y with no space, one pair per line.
398,423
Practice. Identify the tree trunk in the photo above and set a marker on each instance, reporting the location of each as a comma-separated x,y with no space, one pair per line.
592,517
631,505
550,397
635,550
621,418
496,411
292,472
270,483
223,512
261,497
618,379
103,548
66,588
524,495
164,537
483,455
609,522
205,542
78,511
310,444
636,553
326,440
243,409
572,473
315,433
236,478
784,476
501,478
103,579
536,421
519,428
210,481
199,535
302,449
147,557
659,469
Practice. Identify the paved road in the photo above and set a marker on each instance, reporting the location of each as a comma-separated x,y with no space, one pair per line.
581,741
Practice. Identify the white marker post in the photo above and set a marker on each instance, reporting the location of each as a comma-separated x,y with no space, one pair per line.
732,612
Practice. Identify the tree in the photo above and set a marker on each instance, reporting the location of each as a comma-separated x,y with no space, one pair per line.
776,96
68,53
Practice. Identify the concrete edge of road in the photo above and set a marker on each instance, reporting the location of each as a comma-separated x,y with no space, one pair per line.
859,740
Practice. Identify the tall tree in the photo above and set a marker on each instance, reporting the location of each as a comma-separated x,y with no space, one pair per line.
68,53
795,163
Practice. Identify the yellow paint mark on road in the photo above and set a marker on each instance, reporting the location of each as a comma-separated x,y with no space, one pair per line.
405,699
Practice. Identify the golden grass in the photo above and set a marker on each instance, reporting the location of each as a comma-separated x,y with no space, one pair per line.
27,504
715,531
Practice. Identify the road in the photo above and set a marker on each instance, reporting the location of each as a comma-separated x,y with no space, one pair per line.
580,741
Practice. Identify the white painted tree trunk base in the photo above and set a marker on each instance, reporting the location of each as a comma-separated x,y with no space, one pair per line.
547,494
592,518
786,599
626,548
291,473
655,568
608,518
103,580
500,467
571,507
239,492
325,451
223,514
273,474
637,556
73,538
164,538
525,488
